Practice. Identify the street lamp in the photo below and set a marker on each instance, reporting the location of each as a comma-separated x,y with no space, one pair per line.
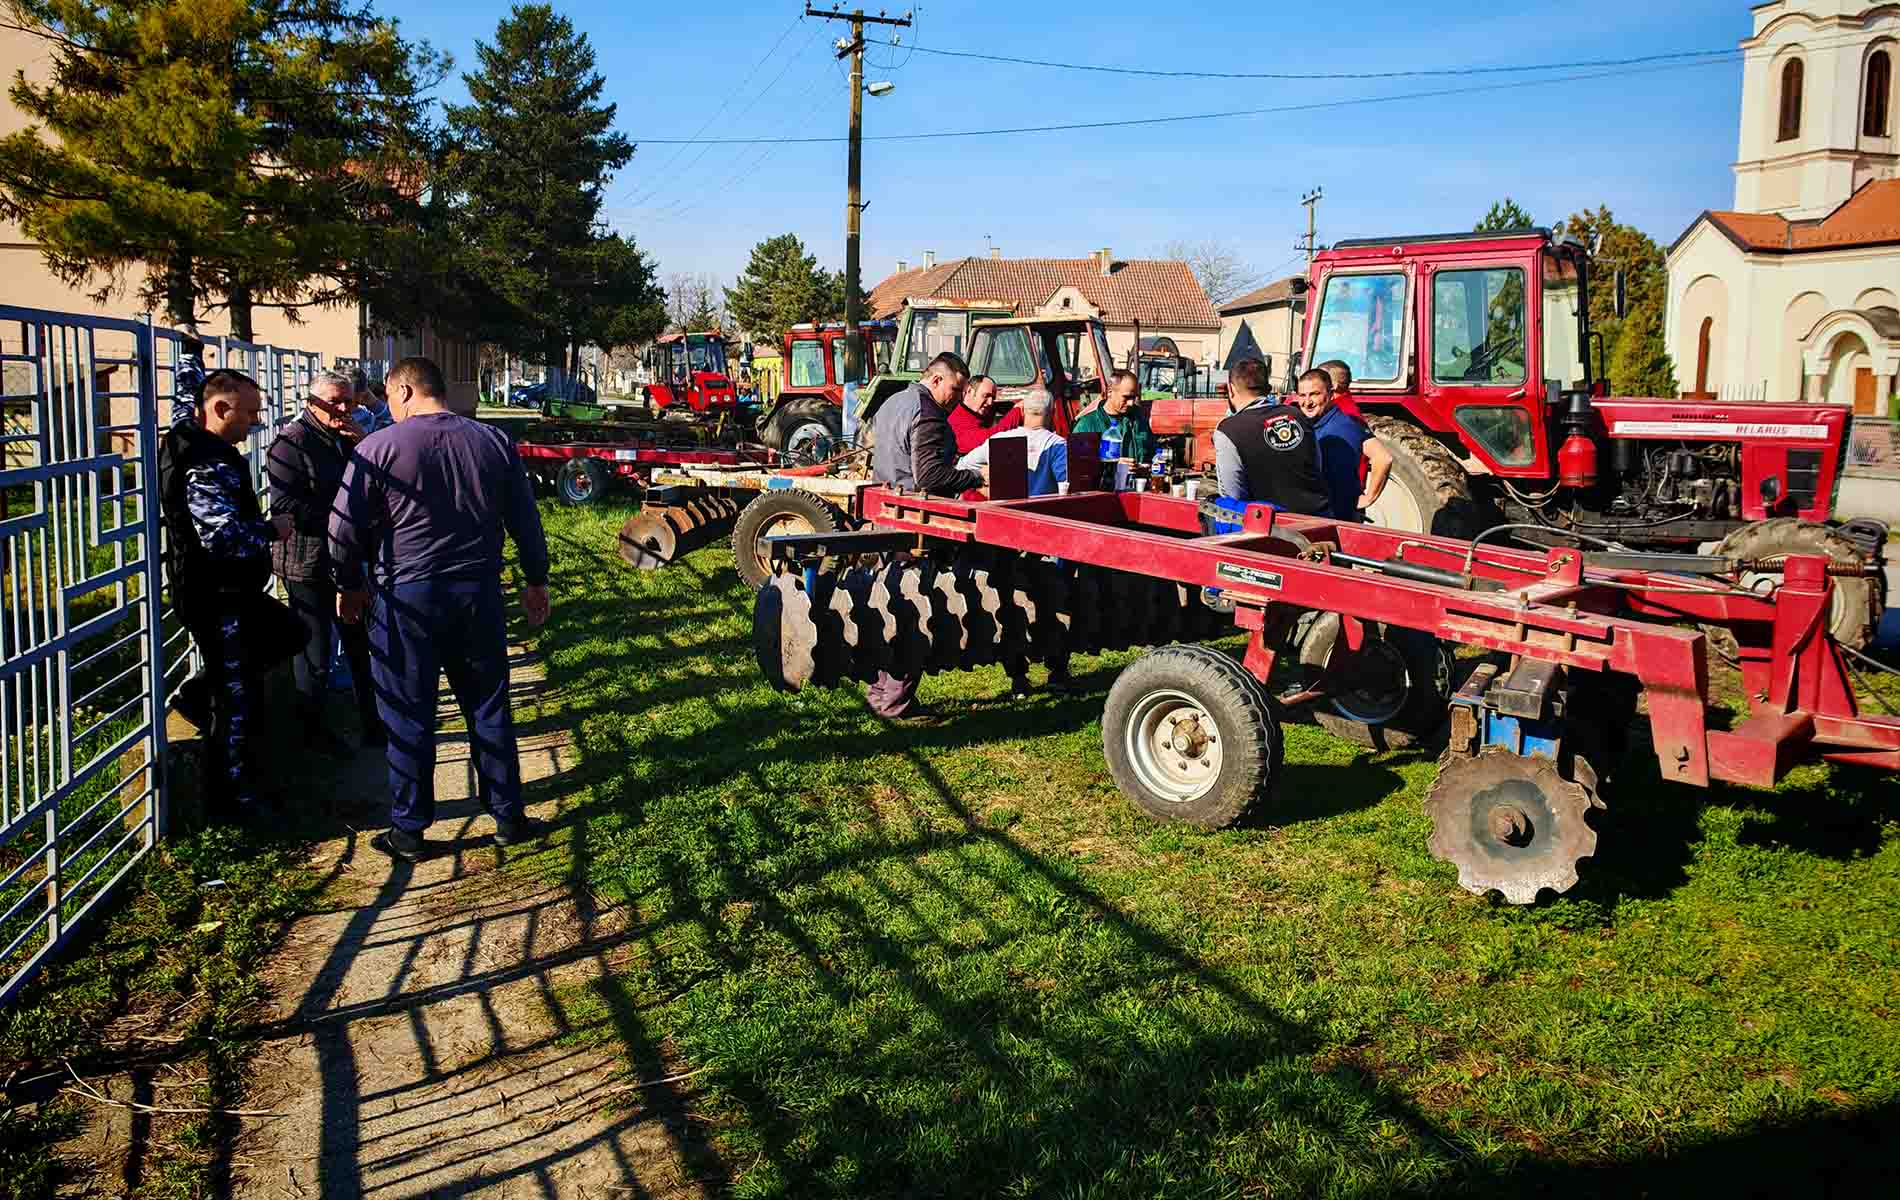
882,87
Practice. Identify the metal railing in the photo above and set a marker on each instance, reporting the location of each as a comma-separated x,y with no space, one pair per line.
1873,449
89,653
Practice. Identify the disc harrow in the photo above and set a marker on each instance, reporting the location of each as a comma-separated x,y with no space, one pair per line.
662,534
907,615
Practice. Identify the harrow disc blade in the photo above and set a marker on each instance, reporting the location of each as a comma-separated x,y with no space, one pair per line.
648,541
783,633
1510,823
909,647
865,628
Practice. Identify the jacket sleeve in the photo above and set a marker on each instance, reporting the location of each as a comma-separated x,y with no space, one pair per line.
933,453
211,498
348,525
291,490
523,520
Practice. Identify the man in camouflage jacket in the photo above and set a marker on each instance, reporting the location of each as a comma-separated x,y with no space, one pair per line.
217,559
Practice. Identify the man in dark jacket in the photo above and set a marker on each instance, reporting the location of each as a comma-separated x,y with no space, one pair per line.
305,469
915,449
217,559
420,518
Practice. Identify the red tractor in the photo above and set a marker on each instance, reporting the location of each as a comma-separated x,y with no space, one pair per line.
688,373
806,418
1471,361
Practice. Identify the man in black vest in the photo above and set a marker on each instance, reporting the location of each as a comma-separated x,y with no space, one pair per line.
1267,452
217,559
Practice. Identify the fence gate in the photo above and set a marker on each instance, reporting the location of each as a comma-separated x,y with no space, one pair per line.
82,688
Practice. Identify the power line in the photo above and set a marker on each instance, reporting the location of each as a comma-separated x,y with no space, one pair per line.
1073,126
1674,56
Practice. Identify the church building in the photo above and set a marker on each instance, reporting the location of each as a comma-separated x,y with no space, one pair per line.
1794,293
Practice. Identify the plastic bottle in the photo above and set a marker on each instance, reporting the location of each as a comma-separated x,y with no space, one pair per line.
1164,462
1112,442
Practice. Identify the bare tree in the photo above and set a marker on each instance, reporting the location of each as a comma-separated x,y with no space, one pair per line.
1217,267
690,299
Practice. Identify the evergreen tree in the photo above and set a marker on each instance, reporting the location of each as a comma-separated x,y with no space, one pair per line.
1641,365
529,162
256,151
780,287
1504,214
1614,246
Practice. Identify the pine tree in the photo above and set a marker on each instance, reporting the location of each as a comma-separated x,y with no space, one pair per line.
530,158
249,150
1613,247
780,287
1641,365
1505,214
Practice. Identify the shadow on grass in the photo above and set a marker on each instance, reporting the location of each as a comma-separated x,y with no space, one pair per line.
908,1000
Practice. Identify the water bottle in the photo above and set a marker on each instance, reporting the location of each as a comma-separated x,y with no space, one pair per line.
1112,442
1164,462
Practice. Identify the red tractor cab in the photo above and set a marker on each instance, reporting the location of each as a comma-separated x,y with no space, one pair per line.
688,373
806,419
1471,359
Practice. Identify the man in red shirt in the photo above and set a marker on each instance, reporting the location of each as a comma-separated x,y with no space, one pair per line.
974,421
1341,375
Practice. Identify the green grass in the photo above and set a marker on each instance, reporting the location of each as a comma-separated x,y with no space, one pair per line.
954,961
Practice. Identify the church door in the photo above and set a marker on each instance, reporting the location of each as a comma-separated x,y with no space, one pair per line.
1864,391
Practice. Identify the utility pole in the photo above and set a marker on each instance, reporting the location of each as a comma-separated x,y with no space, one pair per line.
1311,201
854,180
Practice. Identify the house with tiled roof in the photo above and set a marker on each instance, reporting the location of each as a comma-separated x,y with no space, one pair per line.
1794,293
1162,295
1266,323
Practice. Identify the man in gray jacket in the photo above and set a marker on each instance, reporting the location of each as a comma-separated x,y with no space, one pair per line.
916,450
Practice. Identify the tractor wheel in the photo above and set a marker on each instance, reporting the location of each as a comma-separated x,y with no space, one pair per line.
582,481
1390,693
1191,736
1427,492
1856,602
805,429
773,514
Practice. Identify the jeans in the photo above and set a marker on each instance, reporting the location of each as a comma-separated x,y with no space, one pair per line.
241,638
315,606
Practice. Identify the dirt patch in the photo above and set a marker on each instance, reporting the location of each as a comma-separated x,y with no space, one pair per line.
424,1037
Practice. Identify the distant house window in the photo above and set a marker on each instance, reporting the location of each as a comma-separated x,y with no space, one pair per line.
1790,102
1873,122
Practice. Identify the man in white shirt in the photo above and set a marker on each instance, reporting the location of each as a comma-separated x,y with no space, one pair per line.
1048,453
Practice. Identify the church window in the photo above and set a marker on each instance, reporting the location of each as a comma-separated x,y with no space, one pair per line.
1790,127
1873,122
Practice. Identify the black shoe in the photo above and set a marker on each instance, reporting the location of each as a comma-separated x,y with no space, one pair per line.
513,833
402,845
194,702
1064,684
1019,689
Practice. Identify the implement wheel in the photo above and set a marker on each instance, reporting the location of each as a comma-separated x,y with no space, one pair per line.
1510,824
806,429
1855,606
1388,694
582,481
775,514
1191,736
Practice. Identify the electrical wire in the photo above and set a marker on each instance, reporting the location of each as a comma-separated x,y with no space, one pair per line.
1183,118
1415,73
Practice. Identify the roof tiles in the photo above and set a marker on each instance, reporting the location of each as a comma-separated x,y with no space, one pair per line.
1870,217
1155,292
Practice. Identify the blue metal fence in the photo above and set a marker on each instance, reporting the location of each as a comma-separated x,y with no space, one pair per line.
89,656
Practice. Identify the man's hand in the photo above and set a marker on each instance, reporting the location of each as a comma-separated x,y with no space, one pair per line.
350,604
534,603
282,526
984,471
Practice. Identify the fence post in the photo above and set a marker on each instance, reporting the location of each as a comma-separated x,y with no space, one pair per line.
151,509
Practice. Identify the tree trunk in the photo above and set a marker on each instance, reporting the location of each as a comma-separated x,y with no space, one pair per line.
238,300
181,307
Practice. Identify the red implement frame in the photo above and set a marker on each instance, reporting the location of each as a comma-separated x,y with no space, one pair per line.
1553,610
633,462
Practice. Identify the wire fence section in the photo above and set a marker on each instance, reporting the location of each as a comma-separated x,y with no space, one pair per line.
90,654
1873,448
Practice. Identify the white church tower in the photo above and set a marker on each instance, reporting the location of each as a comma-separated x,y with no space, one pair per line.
1818,98
1794,294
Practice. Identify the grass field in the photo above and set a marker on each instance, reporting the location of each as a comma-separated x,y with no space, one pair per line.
954,961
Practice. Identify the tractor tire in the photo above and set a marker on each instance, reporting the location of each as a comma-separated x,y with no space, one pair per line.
1190,736
1427,492
805,429
1857,601
770,515
582,481
1407,711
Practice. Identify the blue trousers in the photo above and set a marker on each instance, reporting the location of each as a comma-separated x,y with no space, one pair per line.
419,632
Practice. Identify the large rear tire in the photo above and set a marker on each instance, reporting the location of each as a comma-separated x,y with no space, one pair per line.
1428,491
1857,600
772,514
805,429
1191,736
582,481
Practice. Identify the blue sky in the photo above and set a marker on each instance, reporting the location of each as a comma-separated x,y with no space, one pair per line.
1655,146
